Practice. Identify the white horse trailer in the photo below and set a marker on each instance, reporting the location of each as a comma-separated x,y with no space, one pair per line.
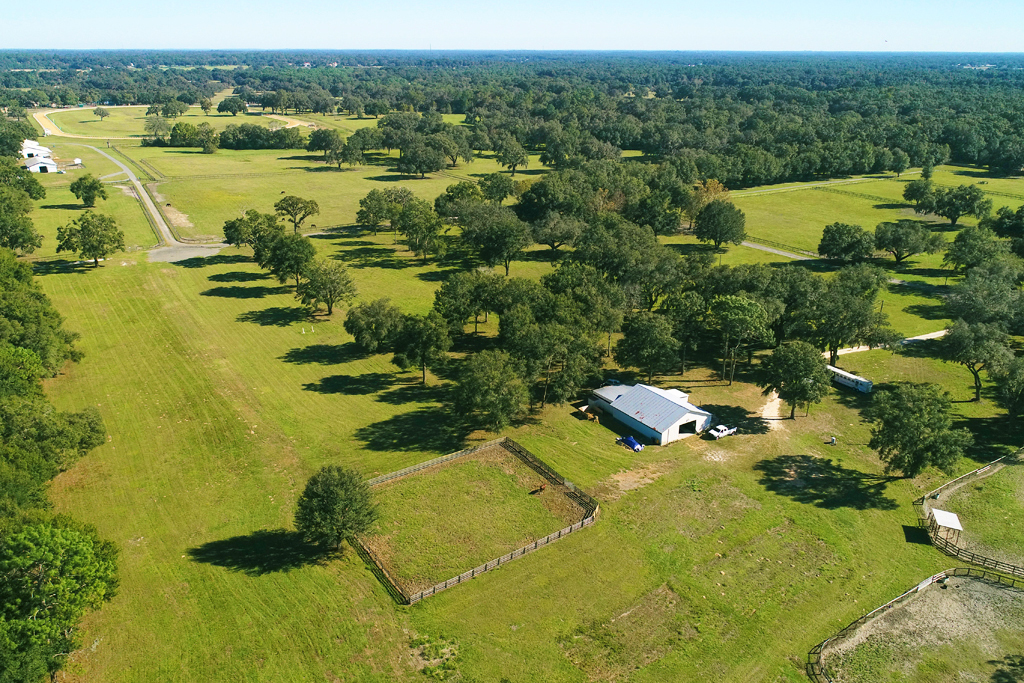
850,380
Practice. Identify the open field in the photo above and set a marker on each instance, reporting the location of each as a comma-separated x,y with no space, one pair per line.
966,630
486,510
222,395
219,407
991,510
126,122
213,189
60,206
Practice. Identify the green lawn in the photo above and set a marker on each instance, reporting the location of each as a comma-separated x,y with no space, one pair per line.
991,510
59,207
486,511
221,396
131,121
211,189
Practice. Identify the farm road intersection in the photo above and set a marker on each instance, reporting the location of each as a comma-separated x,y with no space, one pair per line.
171,250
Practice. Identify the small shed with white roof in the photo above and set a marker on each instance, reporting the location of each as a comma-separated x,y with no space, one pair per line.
659,415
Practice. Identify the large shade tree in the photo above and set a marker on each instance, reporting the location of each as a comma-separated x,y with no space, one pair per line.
336,505
92,235
912,429
797,373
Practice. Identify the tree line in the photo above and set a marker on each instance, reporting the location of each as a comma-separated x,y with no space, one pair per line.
55,569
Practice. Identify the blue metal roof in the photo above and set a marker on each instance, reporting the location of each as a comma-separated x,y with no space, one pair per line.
656,408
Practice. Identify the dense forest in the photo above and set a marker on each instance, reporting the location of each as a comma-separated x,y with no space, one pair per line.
742,119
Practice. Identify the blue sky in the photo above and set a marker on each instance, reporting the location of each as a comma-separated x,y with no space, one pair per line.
840,25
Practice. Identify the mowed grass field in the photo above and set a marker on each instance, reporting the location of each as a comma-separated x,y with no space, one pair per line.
125,122
60,207
488,508
217,188
222,396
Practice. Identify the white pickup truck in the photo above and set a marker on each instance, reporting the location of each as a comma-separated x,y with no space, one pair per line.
721,430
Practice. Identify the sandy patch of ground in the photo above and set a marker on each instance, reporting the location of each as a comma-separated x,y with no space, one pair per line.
630,480
771,412
964,609
175,217
127,189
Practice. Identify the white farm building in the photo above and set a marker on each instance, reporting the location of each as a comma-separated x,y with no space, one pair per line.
41,165
660,415
30,149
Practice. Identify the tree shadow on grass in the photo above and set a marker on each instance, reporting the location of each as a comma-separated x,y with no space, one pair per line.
916,535
238,276
65,207
432,429
352,385
993,436
739,417
1010,669
277,316
820,482
935,311
324,354
415,393
262,552
62,266
438,275
236,292
215,260
375,257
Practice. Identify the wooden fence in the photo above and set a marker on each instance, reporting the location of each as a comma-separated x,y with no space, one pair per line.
947,546
780,245
816,669
504,559
436,461
589,505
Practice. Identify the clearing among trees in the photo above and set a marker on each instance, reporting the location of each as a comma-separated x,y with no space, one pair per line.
440,521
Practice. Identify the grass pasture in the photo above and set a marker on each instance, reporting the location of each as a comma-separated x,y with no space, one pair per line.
991,510
490,506
130,122
221,395
210,190
966,630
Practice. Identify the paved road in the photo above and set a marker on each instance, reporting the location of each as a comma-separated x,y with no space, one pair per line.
908,340
171,249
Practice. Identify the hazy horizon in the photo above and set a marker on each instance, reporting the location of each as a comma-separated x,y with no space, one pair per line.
870,26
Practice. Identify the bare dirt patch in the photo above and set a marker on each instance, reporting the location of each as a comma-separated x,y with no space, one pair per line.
127,189
630,480
771,413
175,217
640,636
965,612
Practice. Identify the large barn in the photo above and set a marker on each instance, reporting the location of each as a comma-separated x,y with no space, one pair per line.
659,415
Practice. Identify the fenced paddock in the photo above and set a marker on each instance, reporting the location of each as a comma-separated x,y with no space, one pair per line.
585,507
817,669
952,548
